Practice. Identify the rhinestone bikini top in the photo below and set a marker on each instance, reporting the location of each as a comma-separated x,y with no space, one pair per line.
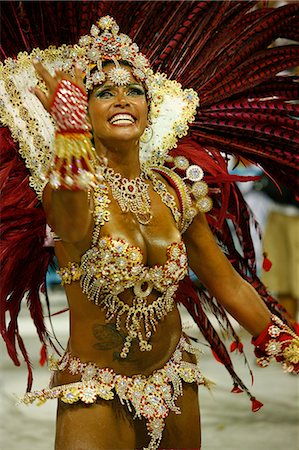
111,266
114,265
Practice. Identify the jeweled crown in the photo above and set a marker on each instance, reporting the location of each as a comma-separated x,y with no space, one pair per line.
105,43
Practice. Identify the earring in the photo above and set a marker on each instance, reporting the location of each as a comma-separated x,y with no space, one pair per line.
147,134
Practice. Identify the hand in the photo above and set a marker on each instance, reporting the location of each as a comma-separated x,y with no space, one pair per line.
66,101
280,342
52,83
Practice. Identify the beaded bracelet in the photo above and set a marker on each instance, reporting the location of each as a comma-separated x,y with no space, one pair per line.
69,108
74,162
278,341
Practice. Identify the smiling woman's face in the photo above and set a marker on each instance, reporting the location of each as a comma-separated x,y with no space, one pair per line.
118,112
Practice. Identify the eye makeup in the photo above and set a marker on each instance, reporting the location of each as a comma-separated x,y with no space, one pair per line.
107,90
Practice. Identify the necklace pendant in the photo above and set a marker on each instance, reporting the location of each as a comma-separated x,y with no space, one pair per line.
131,195
143,288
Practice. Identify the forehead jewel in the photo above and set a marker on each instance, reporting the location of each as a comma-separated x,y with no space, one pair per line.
105,43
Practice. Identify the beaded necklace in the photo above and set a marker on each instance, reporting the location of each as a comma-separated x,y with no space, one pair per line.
131,195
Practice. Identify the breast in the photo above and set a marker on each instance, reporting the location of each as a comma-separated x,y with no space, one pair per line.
153,239
113,265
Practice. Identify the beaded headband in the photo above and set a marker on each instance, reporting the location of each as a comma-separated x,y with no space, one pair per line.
171,108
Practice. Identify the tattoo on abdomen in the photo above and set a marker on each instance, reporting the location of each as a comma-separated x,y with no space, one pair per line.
109,338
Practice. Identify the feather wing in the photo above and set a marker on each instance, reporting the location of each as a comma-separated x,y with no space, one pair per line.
226,51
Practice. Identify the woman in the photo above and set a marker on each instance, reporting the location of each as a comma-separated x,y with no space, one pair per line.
123,236
118,114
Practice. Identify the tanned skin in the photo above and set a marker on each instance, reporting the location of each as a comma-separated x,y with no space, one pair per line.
107,424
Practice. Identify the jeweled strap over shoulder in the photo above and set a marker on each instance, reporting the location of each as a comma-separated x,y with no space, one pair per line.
192,191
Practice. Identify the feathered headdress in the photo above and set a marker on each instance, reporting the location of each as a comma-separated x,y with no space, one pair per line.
248,107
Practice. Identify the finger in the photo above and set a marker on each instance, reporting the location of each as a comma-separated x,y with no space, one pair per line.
79,76
41,96
42,71
59,75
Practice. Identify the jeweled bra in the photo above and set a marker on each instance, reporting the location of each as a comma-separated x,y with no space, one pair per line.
111,266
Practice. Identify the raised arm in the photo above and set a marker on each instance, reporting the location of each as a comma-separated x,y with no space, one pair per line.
68,211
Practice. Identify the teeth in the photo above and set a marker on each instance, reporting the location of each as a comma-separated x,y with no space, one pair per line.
122,121
122,118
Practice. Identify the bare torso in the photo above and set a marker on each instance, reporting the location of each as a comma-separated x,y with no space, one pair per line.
91,337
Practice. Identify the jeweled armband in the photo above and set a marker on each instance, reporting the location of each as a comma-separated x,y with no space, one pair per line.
69,108
280,342
74,162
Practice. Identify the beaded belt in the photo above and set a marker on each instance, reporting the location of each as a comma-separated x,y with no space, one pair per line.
151,397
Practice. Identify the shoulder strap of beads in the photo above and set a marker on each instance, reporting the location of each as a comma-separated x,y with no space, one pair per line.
192,191
100,213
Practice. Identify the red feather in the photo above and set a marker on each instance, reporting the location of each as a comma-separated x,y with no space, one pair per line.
22,231
223,50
